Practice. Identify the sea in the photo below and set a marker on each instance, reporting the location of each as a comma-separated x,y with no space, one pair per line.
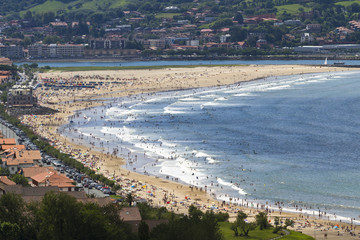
291,140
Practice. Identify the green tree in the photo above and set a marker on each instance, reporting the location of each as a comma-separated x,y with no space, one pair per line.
58,215
20,179
195,214
239,18
288,223
4,171
244,226
262,221
9,231
143,231
129,199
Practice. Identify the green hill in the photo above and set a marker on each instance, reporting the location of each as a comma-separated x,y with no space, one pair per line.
60,6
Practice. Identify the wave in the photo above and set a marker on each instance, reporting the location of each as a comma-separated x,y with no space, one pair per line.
232,185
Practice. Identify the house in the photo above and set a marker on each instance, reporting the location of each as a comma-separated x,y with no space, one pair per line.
240,45
53,179
16,159
12,147
313,27
306,38
355,25
5,61
131,215
6,181
8,141
261,42
35,170
58,24
15,165
4,76
343,31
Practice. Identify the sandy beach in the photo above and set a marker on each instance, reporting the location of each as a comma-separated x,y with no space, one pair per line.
162,192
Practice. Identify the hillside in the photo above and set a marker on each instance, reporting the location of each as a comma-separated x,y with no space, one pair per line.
252,6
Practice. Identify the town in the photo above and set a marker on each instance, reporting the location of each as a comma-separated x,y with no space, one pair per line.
195,30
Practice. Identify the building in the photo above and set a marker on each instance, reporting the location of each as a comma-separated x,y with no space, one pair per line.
261,42
15,160
5,61
5,76
53,179
6,181
112,43
293,22
21,96
306,38
56,50
109,52
154,43
11,51
313,27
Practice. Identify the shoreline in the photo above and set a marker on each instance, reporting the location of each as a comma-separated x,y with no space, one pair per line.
252,201
172,58
109,162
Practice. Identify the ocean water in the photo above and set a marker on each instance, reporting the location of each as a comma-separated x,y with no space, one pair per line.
292,139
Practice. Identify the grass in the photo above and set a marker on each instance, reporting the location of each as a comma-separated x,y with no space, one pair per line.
94,5
347,3
291,9
297,236
48,6
167,15
258,234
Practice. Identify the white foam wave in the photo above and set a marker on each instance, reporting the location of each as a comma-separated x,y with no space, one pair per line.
183,169
233,186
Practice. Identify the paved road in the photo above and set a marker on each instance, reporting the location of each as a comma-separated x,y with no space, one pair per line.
96,192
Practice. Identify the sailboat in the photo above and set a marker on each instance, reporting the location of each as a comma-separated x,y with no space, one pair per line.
325,63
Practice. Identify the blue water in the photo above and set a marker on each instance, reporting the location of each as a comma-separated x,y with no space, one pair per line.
292,139
194,62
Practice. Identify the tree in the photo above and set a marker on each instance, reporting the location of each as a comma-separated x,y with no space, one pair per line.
143,231
234,227
57,216
237,34
4,171
9,231
239,18
20,179
244,226
288,223
195,214
129,199
262,221
211,226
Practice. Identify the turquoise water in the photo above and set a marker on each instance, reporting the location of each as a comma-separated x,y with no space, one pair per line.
292,139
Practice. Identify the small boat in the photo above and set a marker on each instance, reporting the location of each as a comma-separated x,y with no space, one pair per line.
339,63
325,63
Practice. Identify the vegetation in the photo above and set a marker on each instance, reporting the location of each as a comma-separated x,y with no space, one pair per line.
55,217
20,179
256,234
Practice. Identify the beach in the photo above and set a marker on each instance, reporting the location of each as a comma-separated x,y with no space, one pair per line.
133,82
